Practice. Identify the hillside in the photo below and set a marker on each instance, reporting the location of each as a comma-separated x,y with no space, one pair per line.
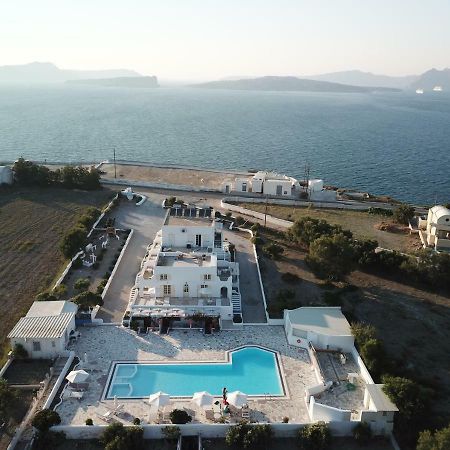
360,78
38,73
131,82
274,83
432,78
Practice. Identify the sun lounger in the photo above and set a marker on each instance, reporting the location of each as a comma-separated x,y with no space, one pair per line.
106,417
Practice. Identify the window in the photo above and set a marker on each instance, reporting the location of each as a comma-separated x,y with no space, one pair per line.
203,286
53,344
198,240
36,346
167,289
163,276
207,276
186,288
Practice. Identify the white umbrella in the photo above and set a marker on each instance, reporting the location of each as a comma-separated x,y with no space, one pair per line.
202,399
77,376
159,399
237,398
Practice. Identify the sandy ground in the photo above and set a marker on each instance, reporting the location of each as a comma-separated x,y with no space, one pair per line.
186,177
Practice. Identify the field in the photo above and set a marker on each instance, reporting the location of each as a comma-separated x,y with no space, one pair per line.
32,223
360,223
413,323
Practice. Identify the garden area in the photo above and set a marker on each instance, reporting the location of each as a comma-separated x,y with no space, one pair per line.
33,221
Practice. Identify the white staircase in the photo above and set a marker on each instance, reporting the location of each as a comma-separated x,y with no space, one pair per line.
236,302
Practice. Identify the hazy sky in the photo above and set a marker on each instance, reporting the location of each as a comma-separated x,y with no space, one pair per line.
207,39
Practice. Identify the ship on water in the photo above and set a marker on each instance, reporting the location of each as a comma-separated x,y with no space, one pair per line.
437,89
419,91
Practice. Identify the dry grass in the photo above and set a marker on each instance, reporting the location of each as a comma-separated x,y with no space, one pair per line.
362,224
32,222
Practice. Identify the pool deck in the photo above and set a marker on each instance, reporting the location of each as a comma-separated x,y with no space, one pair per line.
105,344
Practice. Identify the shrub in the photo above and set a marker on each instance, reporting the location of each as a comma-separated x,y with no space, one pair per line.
374,356
235,435
45,419
171,433
439,440
331,257
239,220
285,419
274,251
258,437
179,416
256,240
316,436
7,396
290,277
89,422
332,298
362,433
60,291
81,284
20,352
73,241
255,227
87,300
45,297
77,263
380,211
106,276
403,214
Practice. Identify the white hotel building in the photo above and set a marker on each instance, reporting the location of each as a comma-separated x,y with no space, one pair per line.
187,271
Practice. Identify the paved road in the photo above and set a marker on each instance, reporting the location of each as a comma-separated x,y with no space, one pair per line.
251,297
146,220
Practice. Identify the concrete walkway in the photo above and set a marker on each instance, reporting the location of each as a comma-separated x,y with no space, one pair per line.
146,220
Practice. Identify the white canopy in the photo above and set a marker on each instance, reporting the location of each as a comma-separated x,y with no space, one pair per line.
237,398
202,399
159,399
77,376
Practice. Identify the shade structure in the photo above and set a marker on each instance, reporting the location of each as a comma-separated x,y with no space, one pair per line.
77,376
203,399
159,399
237,398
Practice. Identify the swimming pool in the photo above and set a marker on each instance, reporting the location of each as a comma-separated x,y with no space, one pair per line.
252,370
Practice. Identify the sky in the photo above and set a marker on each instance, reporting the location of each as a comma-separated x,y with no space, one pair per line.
212,39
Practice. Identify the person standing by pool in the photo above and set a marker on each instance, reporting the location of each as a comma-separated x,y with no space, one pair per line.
224,394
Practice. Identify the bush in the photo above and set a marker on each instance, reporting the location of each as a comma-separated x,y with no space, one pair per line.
274,251
380,211
45,419
374,356
235,435
290,277
332,298
179,416
403,214
60,291
81,284
285,299
362,433
45,297
89,422
255,227
331,257
19,352
316,436
439,440
256,240
171,433
73,241
77,264
258,437
87,300
106,276
239,220
285,419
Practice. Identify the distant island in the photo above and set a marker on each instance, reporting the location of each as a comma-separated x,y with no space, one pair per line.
367,79
45,73
433,78
131,82
289,83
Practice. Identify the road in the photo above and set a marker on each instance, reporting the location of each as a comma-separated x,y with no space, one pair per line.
146,220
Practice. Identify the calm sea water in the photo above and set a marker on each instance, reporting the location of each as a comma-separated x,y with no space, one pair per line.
397,144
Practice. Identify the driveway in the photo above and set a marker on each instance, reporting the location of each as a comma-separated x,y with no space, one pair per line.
251,298
146,220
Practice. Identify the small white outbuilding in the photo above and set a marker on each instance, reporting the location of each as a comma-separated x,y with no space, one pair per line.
6,175
45,331
438,228
325,327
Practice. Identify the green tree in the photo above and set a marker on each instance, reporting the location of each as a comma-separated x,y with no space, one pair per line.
81,284
236,434
258,437
87,299
439,440
316,436
273,250
45,297
374,356
331,257
45,419
403,214
73,241
20,352
362,333
60,291
179,416
362,433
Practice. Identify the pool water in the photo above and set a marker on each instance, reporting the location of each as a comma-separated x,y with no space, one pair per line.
252,370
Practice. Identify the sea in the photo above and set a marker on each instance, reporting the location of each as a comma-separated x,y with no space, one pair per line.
395,144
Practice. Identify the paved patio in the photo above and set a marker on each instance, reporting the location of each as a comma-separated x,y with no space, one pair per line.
104,344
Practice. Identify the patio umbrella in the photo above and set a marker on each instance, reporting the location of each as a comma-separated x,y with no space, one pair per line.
159,399
237,399
203,399
77,376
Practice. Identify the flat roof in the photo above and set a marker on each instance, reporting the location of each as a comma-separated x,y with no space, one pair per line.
323,320
381,401
186,260
43,309
48,327
189,221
